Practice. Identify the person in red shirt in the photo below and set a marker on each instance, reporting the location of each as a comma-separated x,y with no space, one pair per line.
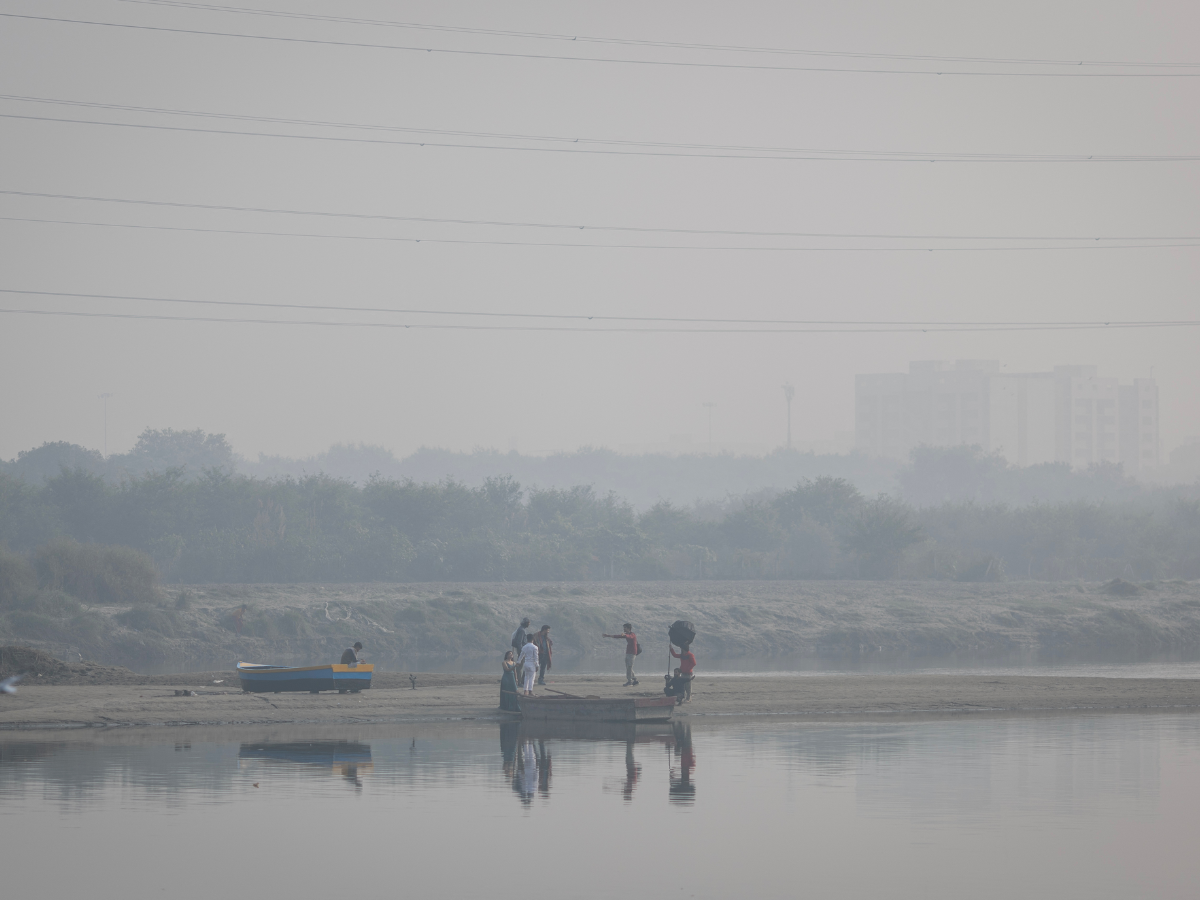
631,652
687,663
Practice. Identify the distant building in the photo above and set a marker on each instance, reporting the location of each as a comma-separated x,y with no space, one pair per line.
1068,415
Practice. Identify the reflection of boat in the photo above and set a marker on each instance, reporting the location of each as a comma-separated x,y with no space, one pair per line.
350,759
330,677
309,753
566,707
585,730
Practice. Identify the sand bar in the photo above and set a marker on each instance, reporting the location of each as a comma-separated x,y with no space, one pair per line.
457,697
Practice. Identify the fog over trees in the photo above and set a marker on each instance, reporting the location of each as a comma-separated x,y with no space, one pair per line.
956,513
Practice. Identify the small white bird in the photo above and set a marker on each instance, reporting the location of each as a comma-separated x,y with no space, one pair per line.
9,685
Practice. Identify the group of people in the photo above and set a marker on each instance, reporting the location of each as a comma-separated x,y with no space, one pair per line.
531,655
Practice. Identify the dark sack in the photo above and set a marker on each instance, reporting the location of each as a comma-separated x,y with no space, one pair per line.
681,632
639,648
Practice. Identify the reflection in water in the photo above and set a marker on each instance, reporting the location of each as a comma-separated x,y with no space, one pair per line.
1099,806
349,759
682,789
527,759
632,771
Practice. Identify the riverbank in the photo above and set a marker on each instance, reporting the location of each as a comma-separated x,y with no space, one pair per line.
775,624
217,700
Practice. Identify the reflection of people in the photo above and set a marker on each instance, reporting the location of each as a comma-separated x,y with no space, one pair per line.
632,771
350,773
682,789
529,659
543,758
543,642
350,654
526,781
631,651
509,732
508,684
687,665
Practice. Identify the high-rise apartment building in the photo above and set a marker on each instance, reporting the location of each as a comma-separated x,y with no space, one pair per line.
1068,415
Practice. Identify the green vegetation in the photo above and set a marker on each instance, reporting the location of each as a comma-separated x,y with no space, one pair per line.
51,598
222,527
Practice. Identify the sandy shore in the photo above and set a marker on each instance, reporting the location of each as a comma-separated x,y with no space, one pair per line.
451,697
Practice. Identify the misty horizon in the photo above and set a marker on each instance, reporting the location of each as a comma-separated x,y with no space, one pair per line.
438,242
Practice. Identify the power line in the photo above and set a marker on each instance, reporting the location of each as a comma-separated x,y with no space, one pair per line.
591,59
563,328
609,246
599,228
622,147
674,45
583,317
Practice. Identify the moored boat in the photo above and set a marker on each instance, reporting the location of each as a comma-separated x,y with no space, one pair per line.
329,677
566,707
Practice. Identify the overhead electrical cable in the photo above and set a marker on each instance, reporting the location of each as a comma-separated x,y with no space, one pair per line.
584,317
497,54
441,326
572,145
633,42
606,246
597,228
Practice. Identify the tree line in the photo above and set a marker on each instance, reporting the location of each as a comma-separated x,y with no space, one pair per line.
223,527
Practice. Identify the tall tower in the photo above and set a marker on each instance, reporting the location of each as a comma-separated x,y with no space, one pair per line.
788,393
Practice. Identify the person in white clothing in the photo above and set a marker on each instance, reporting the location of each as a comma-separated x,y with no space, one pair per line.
529,659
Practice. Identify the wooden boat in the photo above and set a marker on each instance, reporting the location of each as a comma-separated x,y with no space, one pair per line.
329,677
567,707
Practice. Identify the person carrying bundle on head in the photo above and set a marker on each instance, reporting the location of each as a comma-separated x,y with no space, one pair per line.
686,670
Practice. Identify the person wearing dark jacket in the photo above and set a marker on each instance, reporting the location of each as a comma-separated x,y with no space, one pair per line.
519,637
542,641
350,655
676,686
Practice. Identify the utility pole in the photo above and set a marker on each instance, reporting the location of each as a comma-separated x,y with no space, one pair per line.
788,393
710,406
105,397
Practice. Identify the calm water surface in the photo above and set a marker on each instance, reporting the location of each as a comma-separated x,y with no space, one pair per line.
970,806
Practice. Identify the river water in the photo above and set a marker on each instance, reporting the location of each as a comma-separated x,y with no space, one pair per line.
1087,806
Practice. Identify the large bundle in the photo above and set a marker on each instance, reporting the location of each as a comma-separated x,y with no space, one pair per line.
681,633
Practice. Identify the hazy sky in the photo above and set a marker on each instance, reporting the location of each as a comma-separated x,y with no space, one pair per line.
297,389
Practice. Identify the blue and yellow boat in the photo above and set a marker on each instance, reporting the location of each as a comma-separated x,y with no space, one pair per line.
329,677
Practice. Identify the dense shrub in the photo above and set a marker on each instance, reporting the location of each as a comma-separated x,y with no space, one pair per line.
222,527
17,578
97,574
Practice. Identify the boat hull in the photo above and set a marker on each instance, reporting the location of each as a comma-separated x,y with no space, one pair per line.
276,679
597,709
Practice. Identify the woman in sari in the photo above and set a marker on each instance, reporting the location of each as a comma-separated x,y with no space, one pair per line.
508,684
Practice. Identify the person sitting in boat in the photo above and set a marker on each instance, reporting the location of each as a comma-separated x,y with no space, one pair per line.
350,654
677,685
687,664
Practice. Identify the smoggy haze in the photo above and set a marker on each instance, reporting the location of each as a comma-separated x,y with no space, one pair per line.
296,390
